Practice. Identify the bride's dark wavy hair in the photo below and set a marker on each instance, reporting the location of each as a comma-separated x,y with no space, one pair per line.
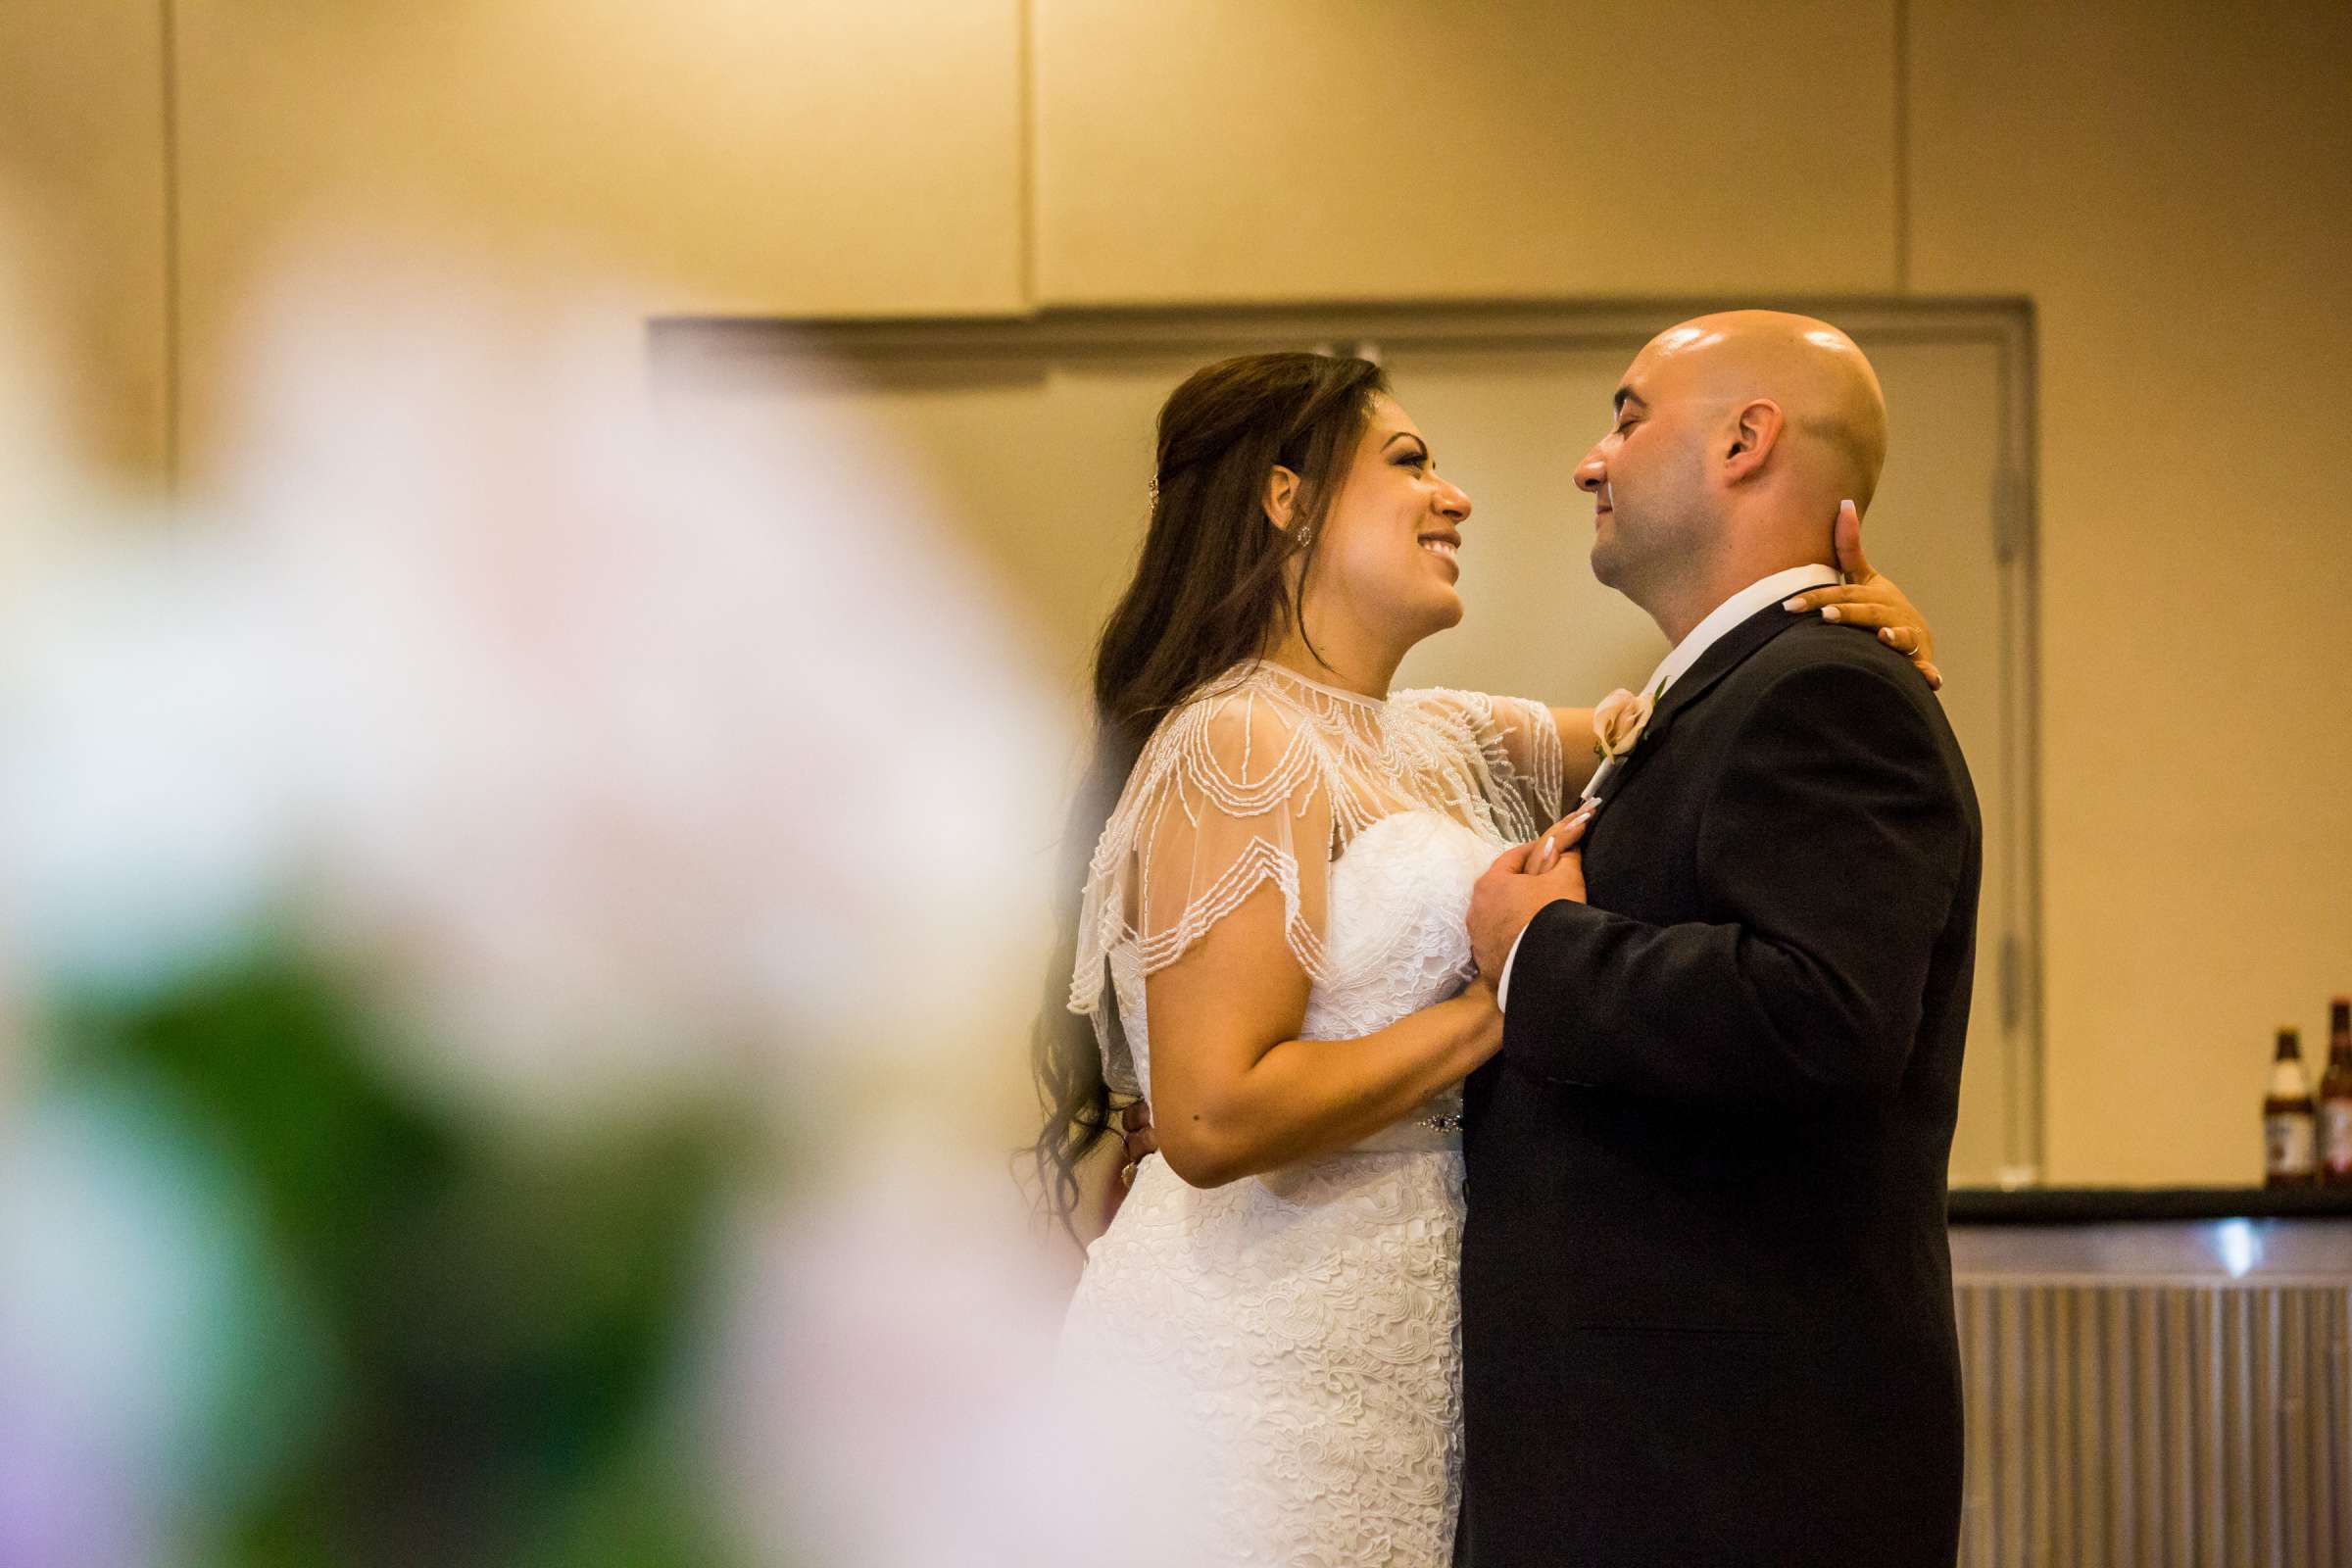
1209,593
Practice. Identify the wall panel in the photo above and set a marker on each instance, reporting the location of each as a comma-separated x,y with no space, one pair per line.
2177,197
82,192
1316,149
739,156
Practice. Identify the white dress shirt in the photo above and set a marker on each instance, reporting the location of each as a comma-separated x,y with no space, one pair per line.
1703,636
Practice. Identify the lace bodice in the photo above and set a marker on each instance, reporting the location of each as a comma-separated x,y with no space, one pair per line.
1395,942
1371,818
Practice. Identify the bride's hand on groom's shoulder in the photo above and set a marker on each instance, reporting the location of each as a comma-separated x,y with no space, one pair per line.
1522,880
1870,600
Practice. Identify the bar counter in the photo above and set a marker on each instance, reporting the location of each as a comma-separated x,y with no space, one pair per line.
2079,1205
2156,1376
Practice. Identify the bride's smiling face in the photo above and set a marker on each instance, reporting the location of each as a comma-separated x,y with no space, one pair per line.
1392,536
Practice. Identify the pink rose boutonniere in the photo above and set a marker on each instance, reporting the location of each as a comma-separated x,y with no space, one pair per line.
1619,720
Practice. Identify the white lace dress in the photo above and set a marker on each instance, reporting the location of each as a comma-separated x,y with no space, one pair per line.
1283,1353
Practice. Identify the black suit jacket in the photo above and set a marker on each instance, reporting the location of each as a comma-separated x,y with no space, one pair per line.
1706,1290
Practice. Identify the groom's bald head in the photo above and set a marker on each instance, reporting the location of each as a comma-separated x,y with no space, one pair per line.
1827,394
1735,436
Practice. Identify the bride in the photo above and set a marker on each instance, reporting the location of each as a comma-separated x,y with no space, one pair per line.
1271,950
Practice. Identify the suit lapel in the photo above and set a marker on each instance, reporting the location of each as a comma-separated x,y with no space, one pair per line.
1729,651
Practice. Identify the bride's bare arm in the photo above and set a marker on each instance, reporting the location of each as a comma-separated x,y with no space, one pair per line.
1577,758
1235,1092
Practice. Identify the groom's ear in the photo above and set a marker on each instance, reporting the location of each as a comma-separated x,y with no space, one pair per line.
1282,495
1753,431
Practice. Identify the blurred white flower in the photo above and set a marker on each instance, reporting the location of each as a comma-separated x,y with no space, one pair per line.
623,733
622,762
148,773
883,1388
631,769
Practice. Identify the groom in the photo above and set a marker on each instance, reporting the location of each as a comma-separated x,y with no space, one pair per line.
1706,1296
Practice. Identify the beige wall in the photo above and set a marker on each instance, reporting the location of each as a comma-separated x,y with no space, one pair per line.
726,157
1237,150
2172,189
83,182
2177,197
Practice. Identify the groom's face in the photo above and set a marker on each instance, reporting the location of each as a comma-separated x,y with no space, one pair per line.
1651,508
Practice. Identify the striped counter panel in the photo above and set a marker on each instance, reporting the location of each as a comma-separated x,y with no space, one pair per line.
2158,1418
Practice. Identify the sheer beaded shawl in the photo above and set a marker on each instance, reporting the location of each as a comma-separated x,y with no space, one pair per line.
1267,777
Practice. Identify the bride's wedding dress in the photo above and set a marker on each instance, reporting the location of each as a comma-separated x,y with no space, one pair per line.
1283,1353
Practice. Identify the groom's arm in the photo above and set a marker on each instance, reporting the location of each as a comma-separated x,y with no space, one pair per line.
1828,859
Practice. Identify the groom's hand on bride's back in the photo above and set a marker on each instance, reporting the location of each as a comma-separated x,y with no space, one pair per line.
1137,1137
1522,880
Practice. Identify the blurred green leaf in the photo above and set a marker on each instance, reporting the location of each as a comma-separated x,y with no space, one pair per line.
508,1321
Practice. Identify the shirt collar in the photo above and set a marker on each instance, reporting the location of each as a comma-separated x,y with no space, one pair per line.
1731,613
